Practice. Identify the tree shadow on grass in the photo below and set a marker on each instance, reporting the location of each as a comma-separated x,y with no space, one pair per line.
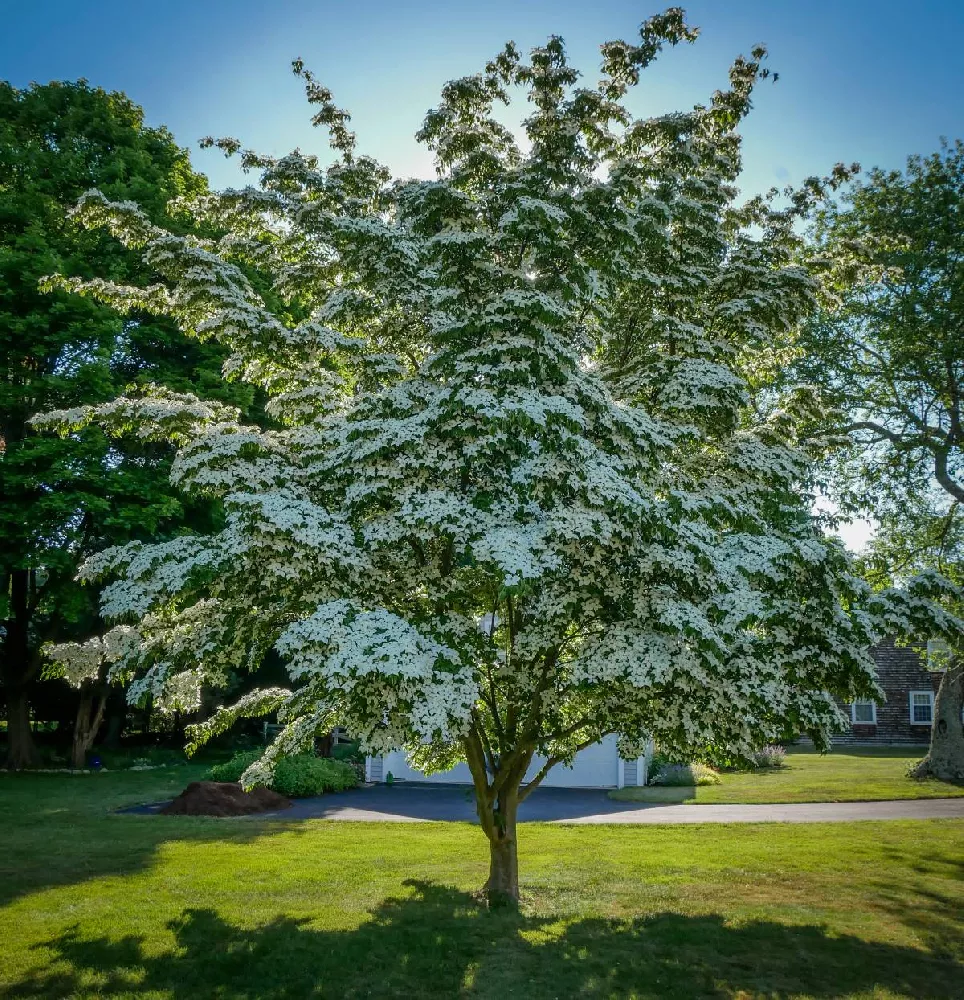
64,831
937,917
437,942
126,853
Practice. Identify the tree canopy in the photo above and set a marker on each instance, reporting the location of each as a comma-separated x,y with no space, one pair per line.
65,498
891,350
889,354
533,482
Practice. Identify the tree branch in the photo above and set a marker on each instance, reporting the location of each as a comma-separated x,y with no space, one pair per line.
525,792
483,797
944,477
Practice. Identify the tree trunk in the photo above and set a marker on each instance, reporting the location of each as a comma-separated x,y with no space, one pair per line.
116,711
21,751
502,887
945,758
18,668
90,713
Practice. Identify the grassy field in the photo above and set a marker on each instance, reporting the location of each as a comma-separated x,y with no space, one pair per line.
98,905
853,774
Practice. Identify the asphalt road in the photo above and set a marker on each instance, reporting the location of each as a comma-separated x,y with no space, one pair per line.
415,803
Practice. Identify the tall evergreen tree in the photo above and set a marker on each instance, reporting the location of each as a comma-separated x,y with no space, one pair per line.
63,498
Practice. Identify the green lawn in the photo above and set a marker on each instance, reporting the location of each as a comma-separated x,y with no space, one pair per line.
853,774
99,905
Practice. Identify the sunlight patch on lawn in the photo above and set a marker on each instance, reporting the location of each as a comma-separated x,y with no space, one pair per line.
844,775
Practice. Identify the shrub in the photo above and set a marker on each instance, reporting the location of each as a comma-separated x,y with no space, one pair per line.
771,756
350,754
232,769
658,761
685,774
297,777
305,775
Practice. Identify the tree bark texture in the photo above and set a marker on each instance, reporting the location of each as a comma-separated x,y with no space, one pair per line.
21,751
945,758
90,715
502,887
497,803
17,668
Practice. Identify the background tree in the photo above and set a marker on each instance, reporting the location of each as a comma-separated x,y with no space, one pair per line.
890,354
63,499
532,485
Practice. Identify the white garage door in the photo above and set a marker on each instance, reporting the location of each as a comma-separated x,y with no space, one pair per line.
595,767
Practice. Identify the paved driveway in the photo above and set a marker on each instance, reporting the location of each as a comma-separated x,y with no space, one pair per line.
415,803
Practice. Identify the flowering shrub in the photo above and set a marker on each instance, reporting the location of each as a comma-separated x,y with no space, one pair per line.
298,776
685,774
769,756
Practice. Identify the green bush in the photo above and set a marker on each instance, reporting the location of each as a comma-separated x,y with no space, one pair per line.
297,777
685,775
232,769
346,751
351,754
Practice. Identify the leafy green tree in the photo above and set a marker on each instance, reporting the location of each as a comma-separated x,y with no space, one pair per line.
63,498
890,354
531,485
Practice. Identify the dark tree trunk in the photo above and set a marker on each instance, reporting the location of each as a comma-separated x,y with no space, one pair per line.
90,714
21,750
18,669
116,718
945,758
502,887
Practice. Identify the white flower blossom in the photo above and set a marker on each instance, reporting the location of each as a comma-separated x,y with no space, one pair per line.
530,480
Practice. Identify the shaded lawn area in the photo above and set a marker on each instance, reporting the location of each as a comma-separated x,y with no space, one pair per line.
852,774
99,905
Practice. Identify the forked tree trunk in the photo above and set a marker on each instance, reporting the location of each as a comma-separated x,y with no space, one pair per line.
502,887
497,804
90,714
945,758
21,751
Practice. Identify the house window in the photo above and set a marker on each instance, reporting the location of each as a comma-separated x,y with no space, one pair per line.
921,708
863,713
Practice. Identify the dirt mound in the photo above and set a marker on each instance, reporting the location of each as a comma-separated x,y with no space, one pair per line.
224,798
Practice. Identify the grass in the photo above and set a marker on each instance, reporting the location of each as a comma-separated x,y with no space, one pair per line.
854,774
99,905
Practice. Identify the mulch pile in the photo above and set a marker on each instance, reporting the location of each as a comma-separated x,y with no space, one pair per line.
224,798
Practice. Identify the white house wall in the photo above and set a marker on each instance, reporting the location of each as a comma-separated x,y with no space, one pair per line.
598,766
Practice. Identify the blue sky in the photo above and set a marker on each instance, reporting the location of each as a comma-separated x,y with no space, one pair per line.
865,80
860,80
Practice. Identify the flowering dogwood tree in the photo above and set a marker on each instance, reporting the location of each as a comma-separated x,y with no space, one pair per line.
528,485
